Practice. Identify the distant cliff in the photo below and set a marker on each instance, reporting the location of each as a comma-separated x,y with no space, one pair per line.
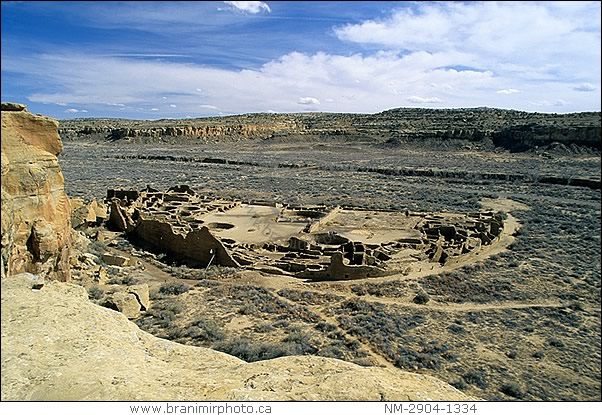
513,130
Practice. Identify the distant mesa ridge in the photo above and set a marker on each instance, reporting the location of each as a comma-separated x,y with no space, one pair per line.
508,129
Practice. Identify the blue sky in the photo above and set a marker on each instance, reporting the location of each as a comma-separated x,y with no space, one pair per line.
150,60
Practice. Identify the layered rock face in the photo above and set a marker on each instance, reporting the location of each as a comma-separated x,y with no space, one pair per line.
100,355
509,129
36,229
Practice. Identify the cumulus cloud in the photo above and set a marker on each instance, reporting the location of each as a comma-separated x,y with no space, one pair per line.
252,7
419,100
546,39
291,83
308,101
440,54
173,105
585,87
74,111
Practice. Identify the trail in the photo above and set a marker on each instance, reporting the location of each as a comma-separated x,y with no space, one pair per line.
375,355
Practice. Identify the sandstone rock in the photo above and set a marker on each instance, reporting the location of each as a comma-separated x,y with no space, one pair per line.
118,260
485,128
124,302
33,281
93,213
119,219
100,276
100,355
99,209
90,215
90,260
78,212
43,241
142,294
12,106
36,229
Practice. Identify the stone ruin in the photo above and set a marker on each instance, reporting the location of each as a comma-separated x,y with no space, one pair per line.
310,242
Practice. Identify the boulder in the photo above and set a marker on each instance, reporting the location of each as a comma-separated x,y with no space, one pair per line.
79,212
118,260
142,294
100,276
99,209
124,302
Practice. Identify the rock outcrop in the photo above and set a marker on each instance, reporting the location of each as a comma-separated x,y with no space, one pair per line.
100,355
36,228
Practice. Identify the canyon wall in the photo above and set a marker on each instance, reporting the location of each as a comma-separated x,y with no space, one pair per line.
512,130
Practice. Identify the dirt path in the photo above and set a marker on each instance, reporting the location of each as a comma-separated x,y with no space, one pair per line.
376,357
462,307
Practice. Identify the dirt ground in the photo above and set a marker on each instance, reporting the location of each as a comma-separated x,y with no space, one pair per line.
519,321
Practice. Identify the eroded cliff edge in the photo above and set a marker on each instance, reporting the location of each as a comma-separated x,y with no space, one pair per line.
36,227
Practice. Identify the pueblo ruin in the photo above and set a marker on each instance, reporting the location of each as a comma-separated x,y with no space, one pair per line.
321,243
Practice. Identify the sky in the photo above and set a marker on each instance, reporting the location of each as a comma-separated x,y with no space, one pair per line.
152,60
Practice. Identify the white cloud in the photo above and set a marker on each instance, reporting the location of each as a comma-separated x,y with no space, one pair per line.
558,40
546,103
585,87
419,100
440,54
291,83
308,101
74,111
154,109
252,7
173,105
210,107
